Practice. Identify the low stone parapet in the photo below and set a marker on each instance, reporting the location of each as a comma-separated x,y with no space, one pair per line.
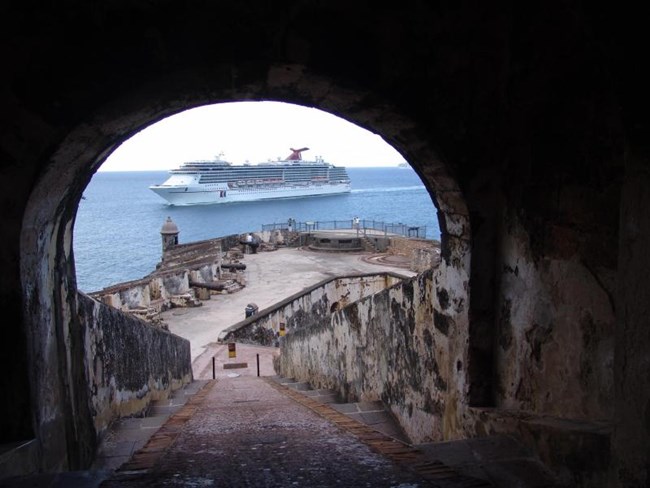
307,307
128,362
375,349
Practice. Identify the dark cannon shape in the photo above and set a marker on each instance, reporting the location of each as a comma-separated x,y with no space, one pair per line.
212,285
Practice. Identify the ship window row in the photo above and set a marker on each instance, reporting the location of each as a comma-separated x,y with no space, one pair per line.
249,175
206,180
271,184
258,170
286,177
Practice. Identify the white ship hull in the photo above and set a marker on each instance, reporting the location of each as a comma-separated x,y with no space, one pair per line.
201,194
218,181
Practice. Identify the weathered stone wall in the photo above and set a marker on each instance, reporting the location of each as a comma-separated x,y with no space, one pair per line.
379,348
631,440
423,259
406,246
194,262
452,330
275,237
419,369
128,363
159,290
517,118
154,292
307,307
555,343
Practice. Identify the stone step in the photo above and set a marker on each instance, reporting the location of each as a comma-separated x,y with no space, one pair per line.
322,396
281,379
124,438
67,479
299,386
373,414
168,402
127,435
501,459
291,383
164,410
369,243
495,460
191,388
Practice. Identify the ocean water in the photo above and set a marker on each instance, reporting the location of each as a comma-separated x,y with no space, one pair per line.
117,228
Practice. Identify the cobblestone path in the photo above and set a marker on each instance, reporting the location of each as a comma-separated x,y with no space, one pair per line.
247,434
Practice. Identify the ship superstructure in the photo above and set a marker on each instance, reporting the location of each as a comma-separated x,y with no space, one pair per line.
218,181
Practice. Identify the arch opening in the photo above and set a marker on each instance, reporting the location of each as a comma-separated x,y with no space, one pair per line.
50,290
528,105
229,132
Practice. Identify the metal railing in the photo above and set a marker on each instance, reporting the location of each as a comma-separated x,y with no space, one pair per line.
364,226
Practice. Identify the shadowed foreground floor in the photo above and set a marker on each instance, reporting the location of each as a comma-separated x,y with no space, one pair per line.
245,433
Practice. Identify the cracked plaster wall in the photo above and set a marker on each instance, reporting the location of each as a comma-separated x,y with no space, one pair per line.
528,92
555,344
385,347
128,362
306,308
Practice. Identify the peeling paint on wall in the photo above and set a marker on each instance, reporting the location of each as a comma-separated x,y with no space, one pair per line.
128,362
555,354
307,308
379,348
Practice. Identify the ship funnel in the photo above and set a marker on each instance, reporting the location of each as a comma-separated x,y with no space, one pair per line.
296,154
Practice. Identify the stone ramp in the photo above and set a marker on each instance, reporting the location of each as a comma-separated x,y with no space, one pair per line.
498,460
244,432
364,420
247,431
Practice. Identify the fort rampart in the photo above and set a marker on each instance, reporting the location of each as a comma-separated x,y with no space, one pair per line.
307,307
128,362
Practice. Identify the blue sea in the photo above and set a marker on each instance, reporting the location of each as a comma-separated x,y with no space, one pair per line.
117,229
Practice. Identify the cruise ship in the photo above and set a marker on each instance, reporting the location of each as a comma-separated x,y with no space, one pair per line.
218,181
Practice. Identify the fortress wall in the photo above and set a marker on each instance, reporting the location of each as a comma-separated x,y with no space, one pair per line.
379,348
307,307
423,259
128,363
555,323
410,346
406,245
141,293
424,253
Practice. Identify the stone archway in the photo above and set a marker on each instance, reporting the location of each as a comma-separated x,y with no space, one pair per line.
531,104
47,264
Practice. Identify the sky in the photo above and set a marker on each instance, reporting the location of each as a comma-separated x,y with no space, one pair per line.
250,132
